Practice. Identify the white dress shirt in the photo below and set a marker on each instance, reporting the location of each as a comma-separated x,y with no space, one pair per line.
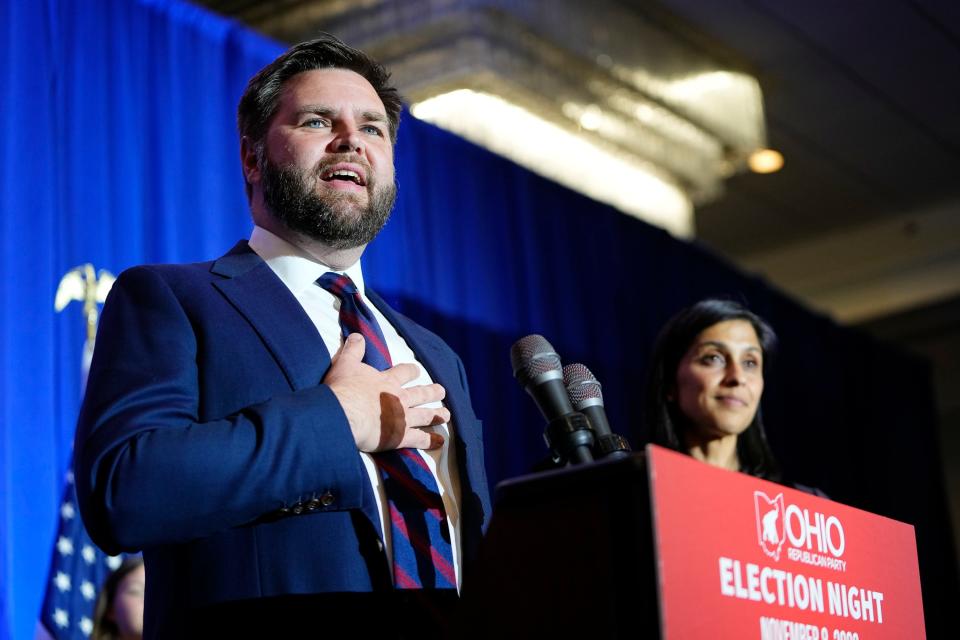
299,272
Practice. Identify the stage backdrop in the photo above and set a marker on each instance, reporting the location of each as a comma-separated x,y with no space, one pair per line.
119,148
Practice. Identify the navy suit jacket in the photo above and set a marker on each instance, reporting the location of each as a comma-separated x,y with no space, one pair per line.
207,440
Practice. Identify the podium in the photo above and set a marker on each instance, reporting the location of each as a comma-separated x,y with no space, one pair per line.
568,552
659,545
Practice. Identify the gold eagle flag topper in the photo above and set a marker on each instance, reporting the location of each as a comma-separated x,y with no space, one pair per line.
84,284
66,612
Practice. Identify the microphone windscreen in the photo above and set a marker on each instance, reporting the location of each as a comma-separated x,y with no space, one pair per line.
582,386
531,357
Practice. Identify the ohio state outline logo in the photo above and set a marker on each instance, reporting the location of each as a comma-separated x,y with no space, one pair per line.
771,519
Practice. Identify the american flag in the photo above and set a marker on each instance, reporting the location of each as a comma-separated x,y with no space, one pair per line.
78,568
77,571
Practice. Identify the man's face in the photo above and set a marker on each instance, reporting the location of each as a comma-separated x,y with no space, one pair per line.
326,168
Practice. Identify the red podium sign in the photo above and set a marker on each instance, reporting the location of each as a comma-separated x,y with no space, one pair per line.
740,557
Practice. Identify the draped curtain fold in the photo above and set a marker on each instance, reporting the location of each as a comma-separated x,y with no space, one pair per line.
120,148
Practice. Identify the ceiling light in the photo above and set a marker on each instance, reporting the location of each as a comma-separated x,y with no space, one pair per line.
546,148
765,161
591,118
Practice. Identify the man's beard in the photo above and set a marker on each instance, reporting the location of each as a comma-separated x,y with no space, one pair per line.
333,218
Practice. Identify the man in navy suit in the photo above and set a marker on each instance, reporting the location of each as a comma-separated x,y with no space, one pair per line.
227,428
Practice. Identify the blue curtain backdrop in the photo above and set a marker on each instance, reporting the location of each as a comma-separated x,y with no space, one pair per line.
119,148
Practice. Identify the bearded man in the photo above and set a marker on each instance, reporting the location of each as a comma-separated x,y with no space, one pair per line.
290,454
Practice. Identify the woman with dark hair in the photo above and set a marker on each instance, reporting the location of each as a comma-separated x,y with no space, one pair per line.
119,611
705,383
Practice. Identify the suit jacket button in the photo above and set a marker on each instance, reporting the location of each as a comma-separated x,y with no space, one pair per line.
327,499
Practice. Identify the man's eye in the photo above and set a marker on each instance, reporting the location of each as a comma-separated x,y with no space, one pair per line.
372,130
712,358
315,123
751,364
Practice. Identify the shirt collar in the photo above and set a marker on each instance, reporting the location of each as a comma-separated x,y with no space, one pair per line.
294,266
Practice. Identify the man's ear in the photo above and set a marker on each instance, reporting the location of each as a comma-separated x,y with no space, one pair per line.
249,161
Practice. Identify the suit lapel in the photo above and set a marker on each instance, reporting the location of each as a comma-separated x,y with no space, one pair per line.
262,298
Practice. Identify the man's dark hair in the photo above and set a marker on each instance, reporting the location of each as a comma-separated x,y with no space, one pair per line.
663,419
262,95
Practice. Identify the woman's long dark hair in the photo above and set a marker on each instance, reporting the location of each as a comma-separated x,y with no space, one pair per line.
104,628
662,417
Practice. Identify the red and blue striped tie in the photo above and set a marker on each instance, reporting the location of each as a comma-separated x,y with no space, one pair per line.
422,555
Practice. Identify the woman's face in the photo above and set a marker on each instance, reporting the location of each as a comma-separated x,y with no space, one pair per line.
720,380
128,604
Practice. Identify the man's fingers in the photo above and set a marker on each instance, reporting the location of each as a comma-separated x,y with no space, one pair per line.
381,412
427,417
419,439
352,348
401,374
422,394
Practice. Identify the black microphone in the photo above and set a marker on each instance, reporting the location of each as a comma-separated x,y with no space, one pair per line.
537,368
583,390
